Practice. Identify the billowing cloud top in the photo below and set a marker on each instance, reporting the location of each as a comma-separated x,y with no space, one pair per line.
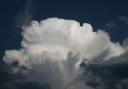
55,47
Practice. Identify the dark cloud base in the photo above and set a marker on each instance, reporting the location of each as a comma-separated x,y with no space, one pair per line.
10,80
97,76
107,76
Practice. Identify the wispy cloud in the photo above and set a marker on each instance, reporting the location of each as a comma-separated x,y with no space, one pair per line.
124,18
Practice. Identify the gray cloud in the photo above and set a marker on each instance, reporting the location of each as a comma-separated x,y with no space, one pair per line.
125,43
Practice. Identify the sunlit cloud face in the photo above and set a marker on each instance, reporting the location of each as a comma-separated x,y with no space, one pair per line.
53,49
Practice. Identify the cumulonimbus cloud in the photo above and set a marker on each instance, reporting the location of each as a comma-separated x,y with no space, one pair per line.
53,50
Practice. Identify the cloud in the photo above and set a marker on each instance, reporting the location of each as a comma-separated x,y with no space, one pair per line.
117,28
125,43
124,19
53,50
110,25
25,14
116,24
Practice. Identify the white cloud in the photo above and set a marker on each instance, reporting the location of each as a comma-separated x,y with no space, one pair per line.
54,48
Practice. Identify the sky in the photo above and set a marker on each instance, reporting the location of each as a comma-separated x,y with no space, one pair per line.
104,44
